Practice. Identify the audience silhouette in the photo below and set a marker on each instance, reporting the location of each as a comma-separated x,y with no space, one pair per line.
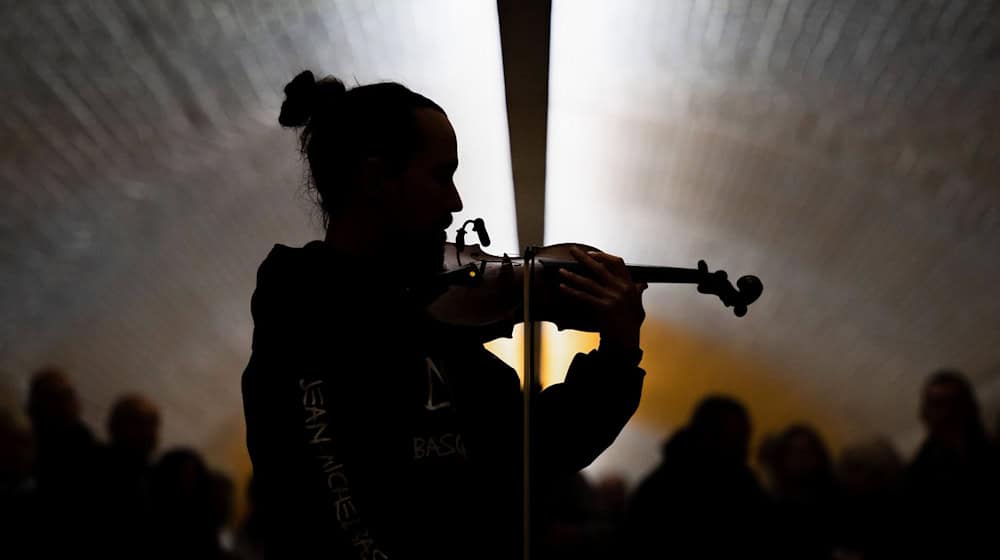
66,465
20,511
869,522
951,487
189,505
124,474
703,501
804,495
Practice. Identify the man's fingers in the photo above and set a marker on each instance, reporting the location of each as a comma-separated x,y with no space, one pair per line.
588,261
579,295
611,260
584,283
615,265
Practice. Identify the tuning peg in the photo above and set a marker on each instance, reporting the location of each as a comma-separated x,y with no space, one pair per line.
750,288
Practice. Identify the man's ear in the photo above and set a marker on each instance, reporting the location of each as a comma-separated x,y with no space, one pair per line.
372,178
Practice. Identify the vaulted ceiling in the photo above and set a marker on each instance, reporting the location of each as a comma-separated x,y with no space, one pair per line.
847,152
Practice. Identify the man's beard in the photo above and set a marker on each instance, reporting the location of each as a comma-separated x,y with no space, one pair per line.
427,256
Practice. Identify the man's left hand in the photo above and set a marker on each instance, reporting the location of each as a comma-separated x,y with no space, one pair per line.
608,291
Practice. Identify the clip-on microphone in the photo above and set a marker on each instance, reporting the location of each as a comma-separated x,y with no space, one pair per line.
478,226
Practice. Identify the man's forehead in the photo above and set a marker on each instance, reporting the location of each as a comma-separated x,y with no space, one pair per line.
437,130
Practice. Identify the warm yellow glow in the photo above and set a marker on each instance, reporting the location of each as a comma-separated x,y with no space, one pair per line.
681,369
510,350
558,349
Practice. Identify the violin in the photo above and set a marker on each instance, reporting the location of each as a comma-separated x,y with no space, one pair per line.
486,294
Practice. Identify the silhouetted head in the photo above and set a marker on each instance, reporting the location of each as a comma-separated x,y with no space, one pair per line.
802,463
380,153
221,494
183,499
180,486
721,426
950,410
52,400
18,446
869,468
133,426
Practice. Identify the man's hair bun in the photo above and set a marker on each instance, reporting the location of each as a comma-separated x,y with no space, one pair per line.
305,97
300,96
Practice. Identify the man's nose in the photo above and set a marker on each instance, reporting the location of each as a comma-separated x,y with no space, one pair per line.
454,201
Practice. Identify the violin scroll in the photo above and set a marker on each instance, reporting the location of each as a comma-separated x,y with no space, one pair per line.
747,290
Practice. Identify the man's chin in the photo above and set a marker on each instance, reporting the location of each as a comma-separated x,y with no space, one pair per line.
427,261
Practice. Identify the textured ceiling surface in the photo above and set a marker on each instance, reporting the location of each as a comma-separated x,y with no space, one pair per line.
845,151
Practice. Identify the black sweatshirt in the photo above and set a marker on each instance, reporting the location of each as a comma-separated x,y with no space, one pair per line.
375,434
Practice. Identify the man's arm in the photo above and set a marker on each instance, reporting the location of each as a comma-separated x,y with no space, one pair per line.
579,418
576,420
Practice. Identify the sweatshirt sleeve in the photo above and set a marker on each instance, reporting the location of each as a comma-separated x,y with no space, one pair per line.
297,452
576,420
295,444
